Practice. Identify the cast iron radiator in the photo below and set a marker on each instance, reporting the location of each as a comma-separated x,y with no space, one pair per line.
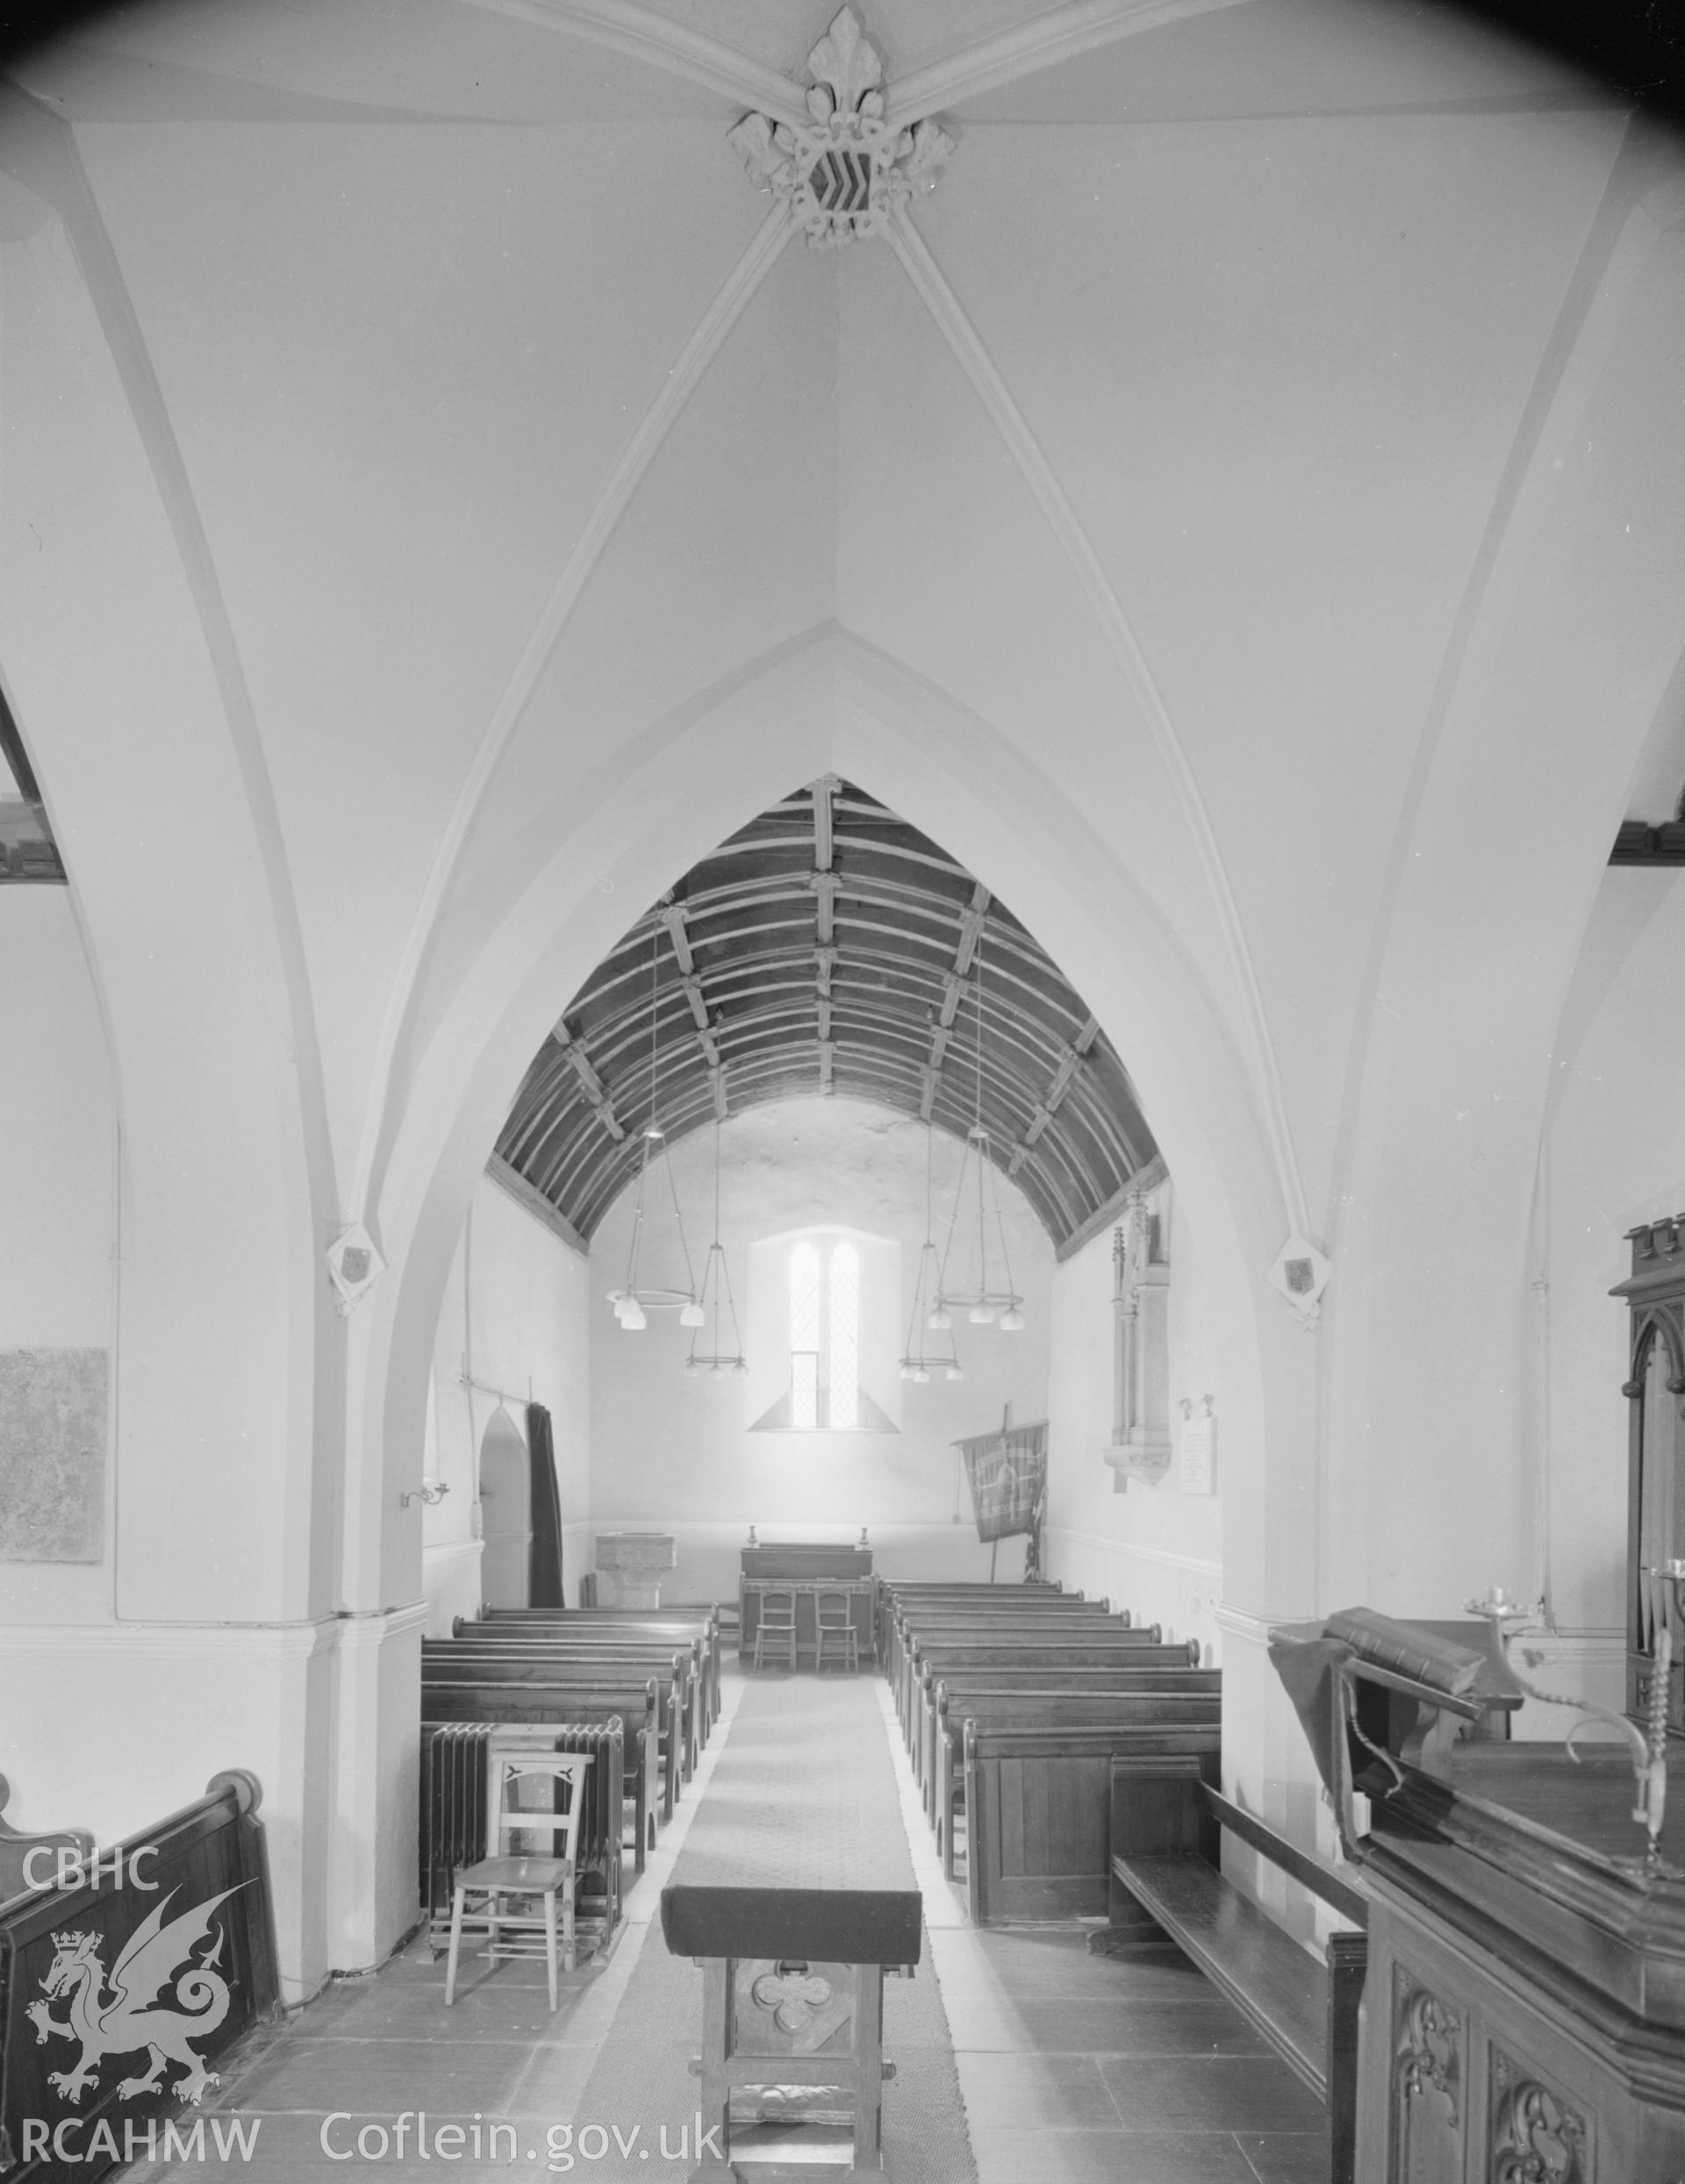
454,1757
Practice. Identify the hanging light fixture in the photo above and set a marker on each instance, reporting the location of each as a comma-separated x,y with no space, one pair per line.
990,1301
716,1284
634,1302
918,1364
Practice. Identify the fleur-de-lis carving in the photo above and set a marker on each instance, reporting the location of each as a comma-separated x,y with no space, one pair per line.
846,70
845,173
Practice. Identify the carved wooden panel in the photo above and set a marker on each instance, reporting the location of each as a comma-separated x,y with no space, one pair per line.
1426,2137
1537,2136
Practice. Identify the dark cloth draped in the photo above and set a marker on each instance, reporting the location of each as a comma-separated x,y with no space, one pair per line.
544,1571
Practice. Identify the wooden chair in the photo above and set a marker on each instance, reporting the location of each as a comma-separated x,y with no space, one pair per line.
500,1879
837,1637
777,1622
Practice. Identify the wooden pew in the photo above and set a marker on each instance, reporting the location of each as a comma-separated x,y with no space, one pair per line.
1164,1665
1035,1667
1039,1812
700,1623
202,1872
1079,1647
948,1698
910,1620
908,1602
676,1692
984,1714
16,1865
636,1704
1166,1817
895,1593
1080,1626
915,1618
448,1660
680,1660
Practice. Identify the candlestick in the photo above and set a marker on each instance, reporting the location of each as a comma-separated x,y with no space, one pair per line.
1648,1754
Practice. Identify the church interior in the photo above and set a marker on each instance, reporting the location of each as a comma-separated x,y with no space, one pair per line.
839,858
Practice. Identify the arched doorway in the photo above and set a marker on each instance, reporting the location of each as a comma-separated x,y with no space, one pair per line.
506,1494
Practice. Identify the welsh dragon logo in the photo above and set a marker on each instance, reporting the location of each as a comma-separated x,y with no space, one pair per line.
129,2019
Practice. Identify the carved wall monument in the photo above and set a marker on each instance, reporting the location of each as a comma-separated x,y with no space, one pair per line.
1140,1444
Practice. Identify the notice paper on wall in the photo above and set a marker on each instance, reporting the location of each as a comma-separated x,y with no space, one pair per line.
1196,1447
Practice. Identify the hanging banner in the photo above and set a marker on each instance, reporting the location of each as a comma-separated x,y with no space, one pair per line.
1007,1473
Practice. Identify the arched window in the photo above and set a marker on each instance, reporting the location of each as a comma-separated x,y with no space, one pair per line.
845,1375
824,1321
804,1337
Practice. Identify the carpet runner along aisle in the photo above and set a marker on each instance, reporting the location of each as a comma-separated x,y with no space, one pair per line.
804,1795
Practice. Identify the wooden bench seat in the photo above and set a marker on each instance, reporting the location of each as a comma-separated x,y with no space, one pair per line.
684,1672
207,1863
904,1618
962,1678
18,1878
442,1660
1011,1636
676,1673
1039,1812
1164,1701
699,1625
911,1631
899,1615
591,1680
1081,1649
894,1593
1166,1820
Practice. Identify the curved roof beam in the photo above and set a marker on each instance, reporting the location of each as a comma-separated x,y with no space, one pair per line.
786,962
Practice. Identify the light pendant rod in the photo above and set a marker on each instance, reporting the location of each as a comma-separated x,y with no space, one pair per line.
917,1362
716,1282
990,1301
635,1300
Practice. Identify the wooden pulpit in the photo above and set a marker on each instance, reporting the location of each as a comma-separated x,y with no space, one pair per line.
1523,2014
793,2016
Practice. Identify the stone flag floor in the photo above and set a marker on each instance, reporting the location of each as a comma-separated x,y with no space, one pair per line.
1020,2058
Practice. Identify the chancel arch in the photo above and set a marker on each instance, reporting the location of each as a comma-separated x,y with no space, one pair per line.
671,800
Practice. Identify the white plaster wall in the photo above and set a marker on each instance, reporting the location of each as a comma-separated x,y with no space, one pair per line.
1151,1549
1615,1157
513,1320
58,1123
673,1451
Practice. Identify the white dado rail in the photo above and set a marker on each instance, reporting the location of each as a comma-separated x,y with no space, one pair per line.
635,1561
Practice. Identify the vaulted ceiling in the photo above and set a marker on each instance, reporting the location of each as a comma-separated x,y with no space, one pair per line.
440,410
828,947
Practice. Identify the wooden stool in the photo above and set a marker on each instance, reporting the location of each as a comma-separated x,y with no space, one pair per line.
777,1622
835,1616
793,1996
498,1878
